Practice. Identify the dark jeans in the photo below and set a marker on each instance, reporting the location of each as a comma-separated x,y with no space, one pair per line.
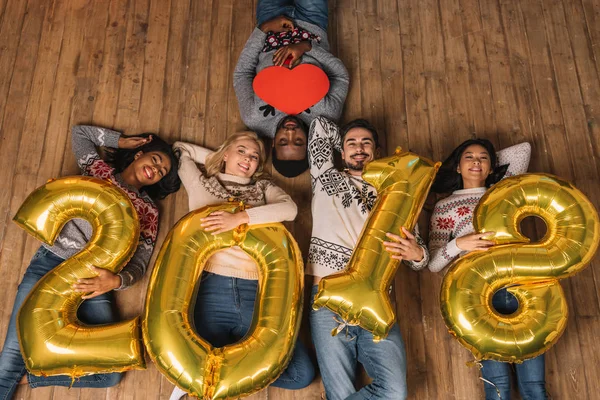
311,11
98,310
530,374
223,315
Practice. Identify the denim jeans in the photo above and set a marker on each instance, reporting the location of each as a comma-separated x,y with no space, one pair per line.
385,362
530,374
98,310
223,315
311,11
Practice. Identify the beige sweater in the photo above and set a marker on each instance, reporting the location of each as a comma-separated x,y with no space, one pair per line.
269,204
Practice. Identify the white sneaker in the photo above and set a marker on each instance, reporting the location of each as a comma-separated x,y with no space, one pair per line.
177,393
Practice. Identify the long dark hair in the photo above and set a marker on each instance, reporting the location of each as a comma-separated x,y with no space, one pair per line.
448,179
121,158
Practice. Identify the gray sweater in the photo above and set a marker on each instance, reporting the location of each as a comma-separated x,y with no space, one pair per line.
253,60
77,232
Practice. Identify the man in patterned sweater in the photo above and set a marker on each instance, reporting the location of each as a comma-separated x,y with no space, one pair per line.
341,205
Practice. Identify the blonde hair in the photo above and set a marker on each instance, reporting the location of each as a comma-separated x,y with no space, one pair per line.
215,163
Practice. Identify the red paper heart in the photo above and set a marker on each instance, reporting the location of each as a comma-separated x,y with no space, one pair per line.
291,90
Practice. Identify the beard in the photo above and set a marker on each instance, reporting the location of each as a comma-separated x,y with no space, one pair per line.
355,165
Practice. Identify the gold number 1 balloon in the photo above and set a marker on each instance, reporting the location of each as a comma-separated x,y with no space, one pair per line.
244,367
360,294
53,341
530,271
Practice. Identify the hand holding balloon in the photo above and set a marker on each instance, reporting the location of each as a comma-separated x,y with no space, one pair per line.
222,221
104,282
404,249
475,241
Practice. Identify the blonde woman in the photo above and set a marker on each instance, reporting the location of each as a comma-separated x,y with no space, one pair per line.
225,301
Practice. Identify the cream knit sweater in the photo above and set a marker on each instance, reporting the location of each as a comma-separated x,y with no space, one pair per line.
270,204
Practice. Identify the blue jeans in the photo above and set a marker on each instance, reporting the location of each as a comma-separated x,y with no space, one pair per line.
530,374
98,310
311,11
385,362
223,315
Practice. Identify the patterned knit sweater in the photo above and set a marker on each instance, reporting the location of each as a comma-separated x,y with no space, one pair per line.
453,216
270,204
341,204
77,232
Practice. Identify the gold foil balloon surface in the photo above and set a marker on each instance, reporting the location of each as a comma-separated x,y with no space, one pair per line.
238,369
531,271
53,341
359,295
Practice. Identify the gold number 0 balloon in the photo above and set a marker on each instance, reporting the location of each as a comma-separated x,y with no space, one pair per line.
360,294
533,270
53,341
246,366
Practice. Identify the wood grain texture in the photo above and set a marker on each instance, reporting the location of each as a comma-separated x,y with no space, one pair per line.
428,73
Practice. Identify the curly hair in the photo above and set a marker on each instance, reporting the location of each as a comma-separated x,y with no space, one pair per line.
121,158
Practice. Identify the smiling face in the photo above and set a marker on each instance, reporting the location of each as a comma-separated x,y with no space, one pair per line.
358,149
290,139
474,166
242,158
150,167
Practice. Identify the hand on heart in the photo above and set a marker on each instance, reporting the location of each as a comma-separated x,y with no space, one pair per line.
291,91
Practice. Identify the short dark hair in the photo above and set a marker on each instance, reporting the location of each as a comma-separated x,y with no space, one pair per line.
448,179
289,168
121,158
360,123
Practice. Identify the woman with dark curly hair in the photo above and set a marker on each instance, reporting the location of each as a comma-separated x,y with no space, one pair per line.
145,168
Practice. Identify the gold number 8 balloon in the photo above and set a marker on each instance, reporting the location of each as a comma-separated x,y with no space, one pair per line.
530,271
360,294
53,341
187,359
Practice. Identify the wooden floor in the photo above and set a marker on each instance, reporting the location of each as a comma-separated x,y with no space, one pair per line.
428,73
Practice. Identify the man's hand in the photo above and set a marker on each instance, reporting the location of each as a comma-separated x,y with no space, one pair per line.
404,249
133,142
104,282
278,24
474,241
223,221
292,51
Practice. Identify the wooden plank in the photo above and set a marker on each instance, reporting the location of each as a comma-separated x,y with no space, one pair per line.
348,52
592,18
110,75
133,66
10,32
241,27
369,47
482,107
155,50
219,76
460,94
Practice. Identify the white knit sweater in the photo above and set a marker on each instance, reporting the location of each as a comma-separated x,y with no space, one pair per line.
453,216
341,205
270,204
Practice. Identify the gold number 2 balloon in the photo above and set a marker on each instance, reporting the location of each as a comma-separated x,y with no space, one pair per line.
187,359
530,271
53,341
360,294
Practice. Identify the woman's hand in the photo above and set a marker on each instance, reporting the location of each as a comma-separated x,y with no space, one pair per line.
133,142
223,221
404,249
104,282
278,24
295,50
474,241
